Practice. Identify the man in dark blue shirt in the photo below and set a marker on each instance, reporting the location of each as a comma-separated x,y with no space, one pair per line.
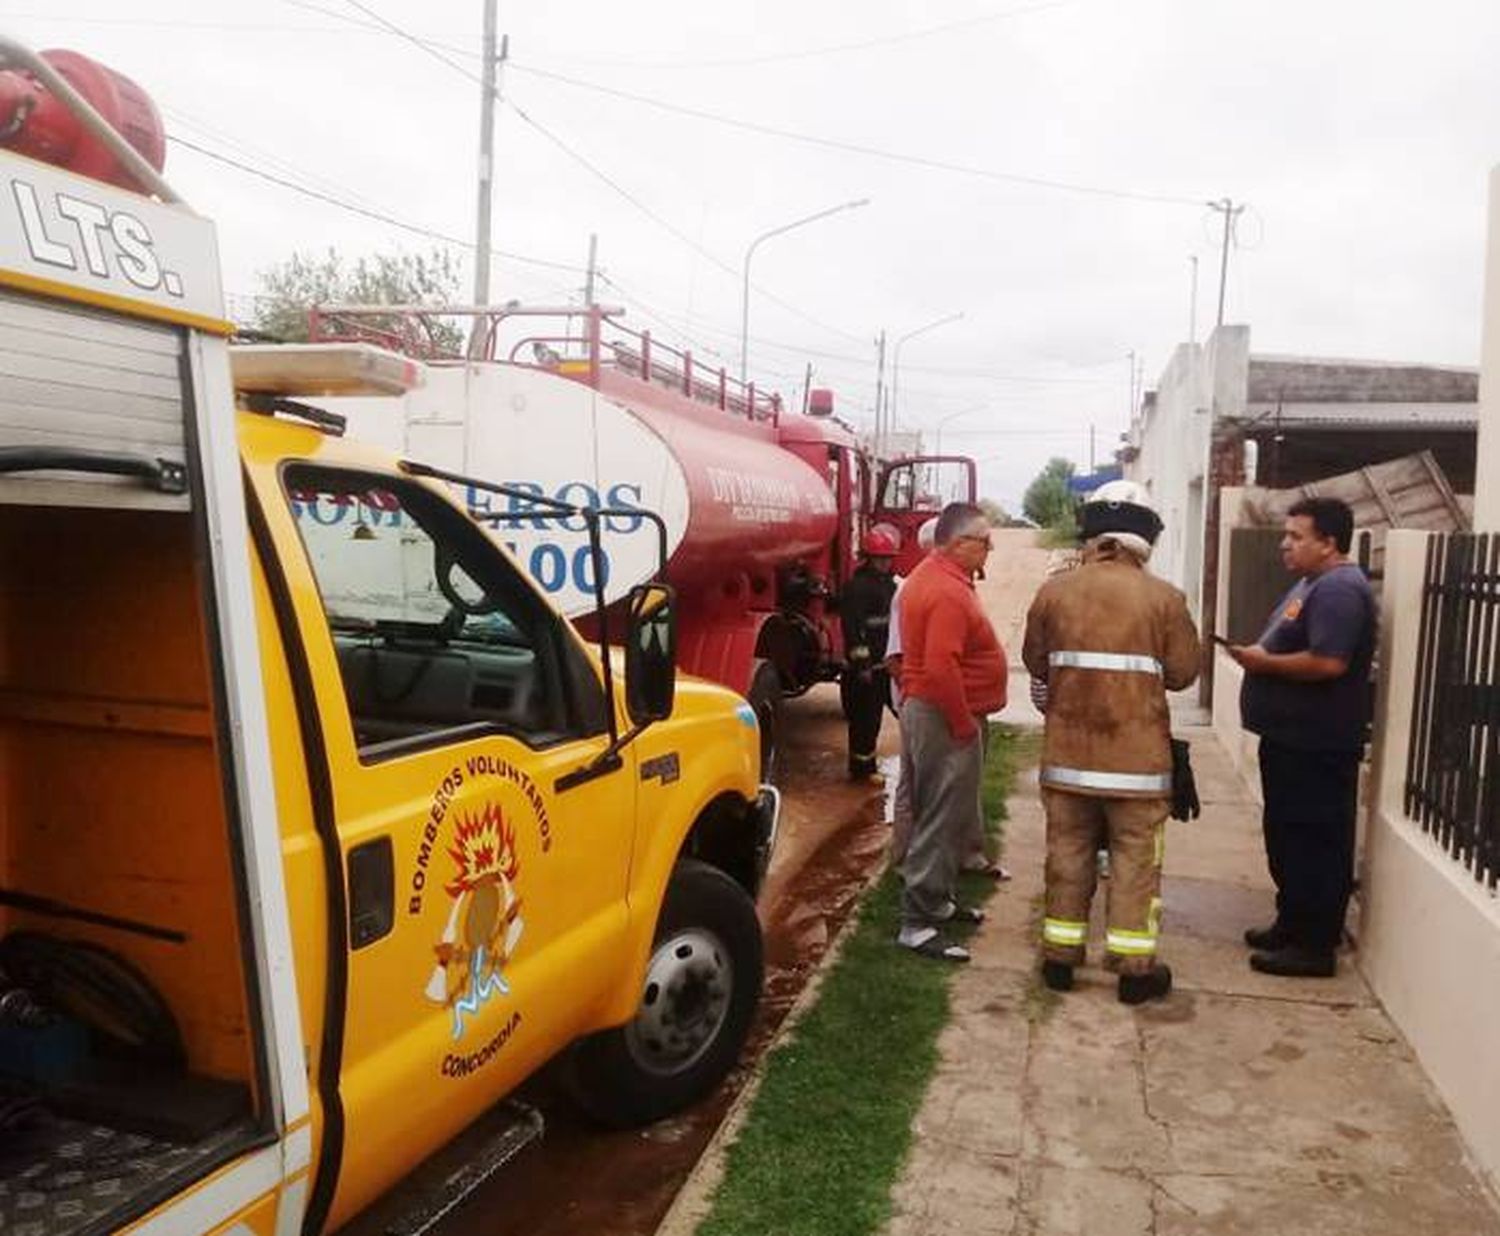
1306,693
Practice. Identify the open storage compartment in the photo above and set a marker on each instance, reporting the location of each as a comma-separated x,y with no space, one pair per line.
128,1053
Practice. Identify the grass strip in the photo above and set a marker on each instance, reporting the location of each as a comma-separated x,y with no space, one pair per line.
830,1127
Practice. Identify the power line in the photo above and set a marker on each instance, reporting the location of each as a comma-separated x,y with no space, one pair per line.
660,316
667,225
422,45
874,152
935,370
683,332
158,22
1062,431
834,49
246,150
377,215
655,216
379,26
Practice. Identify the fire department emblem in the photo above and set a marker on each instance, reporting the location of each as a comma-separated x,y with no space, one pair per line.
484,923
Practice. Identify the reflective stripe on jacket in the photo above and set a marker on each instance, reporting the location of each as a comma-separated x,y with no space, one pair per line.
1110,640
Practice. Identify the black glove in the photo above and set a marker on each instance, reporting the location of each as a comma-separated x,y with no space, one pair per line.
1185,805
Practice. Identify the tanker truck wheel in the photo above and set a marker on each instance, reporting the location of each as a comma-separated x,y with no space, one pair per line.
702,985
765,696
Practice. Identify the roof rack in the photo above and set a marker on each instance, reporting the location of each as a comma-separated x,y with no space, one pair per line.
581,343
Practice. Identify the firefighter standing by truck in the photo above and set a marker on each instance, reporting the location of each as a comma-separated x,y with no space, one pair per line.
865,609
1109,639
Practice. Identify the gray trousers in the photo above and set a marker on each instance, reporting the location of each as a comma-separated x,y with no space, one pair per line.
944,790
974,851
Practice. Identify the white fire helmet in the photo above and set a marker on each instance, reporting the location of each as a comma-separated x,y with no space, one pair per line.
1120,507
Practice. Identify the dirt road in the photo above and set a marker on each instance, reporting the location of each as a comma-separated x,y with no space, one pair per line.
1015,570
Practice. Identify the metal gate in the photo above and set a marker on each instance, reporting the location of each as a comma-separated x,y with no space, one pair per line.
1452,788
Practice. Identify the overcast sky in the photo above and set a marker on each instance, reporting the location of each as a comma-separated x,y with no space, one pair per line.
1358,133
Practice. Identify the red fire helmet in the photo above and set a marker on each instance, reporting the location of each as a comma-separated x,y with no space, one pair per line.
881,541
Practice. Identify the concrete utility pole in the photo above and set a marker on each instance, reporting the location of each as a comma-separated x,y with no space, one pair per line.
588,286
1193,303
1227,208
879,393
489,90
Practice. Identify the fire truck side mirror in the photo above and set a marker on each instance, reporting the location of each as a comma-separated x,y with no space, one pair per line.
651,653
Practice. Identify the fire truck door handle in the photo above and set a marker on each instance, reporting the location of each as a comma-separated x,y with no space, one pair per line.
163,475
372,892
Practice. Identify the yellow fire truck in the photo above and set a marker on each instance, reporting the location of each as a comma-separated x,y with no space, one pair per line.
320,828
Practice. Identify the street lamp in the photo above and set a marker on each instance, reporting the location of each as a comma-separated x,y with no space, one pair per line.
750,252
953,416
896,360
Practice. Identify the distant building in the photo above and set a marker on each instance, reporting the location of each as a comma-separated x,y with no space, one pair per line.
1221,416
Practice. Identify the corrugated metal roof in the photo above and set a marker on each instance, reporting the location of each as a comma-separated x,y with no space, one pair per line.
1355,362
1455,416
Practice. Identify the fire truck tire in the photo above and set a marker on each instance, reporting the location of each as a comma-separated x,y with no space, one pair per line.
702,985
765,696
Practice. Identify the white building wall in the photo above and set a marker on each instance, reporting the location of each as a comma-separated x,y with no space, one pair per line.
1487,479
1429,933
1201,383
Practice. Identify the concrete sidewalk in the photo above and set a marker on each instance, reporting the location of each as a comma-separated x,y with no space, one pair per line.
1241,1104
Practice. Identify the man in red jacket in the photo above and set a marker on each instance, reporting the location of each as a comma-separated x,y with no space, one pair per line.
952,676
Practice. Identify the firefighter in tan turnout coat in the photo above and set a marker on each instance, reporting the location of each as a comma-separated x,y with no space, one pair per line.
1110,640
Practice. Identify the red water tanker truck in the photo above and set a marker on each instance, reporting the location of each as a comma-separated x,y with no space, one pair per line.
763,507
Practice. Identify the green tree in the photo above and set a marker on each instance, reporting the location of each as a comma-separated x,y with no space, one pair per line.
1047,501
290,289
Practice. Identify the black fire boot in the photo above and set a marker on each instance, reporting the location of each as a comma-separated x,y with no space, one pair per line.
1153,985
1058,975
1268,939
1295,961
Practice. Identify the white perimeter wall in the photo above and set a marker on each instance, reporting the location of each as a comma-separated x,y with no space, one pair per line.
1429,933
1201,383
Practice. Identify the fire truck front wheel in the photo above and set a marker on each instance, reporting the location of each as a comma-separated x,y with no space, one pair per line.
765,696
701,988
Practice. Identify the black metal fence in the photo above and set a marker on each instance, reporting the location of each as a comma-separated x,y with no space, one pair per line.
1453,768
